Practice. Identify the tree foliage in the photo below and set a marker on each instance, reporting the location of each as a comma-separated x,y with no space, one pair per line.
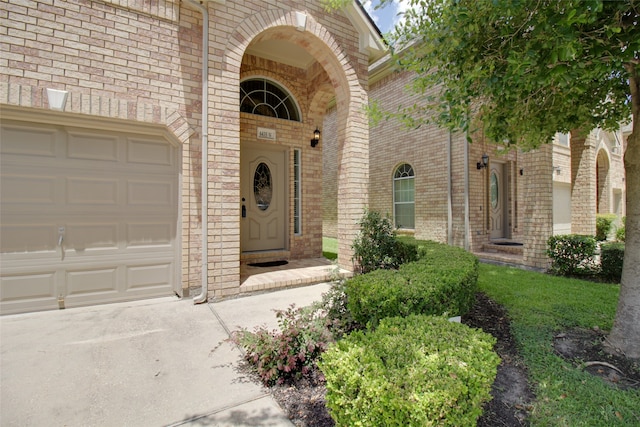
526,68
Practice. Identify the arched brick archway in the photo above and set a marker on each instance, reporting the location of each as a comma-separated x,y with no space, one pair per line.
224,138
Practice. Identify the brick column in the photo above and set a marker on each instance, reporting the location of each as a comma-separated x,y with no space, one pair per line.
536,193
583,184
353,178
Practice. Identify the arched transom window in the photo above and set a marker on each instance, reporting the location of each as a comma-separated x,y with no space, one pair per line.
403,197
266,98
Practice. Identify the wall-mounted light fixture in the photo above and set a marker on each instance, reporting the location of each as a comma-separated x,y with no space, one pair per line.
316,137
484,163
557,170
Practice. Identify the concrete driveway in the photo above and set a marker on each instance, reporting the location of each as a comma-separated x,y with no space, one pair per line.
145,363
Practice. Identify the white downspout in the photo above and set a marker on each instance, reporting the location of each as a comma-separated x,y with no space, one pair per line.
205,150
449,201
466,193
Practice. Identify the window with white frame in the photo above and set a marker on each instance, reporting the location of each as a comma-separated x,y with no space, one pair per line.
404,197
266,98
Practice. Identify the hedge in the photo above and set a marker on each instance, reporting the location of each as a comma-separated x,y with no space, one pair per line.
611,257
411,371
442,281
571,254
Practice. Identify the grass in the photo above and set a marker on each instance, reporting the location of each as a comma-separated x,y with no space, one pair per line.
539,306
330,248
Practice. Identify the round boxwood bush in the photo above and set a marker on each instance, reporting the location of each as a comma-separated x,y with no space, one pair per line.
410,371
442,281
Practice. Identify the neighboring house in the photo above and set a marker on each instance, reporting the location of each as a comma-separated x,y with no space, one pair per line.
501,206
109,114
588,179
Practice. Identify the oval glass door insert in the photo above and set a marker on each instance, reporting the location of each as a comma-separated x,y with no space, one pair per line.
262,188
494,190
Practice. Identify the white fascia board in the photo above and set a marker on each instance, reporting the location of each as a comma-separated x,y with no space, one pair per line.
370,40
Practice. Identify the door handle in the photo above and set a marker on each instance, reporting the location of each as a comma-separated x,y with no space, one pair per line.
244,211
61,231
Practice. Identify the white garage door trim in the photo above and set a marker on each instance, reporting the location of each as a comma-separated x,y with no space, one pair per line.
113,197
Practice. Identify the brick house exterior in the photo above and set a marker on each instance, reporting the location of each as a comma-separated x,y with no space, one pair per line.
108,114
505,211
103,193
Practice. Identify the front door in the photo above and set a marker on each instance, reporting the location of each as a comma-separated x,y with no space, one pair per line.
263,198
498,201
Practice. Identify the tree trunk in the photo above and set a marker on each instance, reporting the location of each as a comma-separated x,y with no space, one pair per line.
625,334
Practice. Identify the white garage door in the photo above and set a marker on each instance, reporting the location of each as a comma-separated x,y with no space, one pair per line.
86,217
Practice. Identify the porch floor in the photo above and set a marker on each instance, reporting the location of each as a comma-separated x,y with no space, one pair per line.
297,272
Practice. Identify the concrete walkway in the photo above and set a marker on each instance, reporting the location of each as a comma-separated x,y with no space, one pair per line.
146,363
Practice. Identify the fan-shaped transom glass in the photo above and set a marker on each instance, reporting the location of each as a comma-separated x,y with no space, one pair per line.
265,98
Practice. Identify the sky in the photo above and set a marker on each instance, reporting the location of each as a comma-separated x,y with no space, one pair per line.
386,17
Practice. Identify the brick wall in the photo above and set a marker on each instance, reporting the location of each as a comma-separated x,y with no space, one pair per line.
139,60
124,60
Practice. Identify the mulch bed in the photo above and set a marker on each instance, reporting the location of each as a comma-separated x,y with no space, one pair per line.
304,402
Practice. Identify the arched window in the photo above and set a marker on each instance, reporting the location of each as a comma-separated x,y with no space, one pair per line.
403,197
266,98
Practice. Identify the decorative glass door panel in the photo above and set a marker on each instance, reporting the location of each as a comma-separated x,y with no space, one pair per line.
263,198
498,208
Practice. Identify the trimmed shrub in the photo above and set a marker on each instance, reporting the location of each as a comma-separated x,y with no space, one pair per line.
572,254
283,356
443,280
413,371
334,304
603,225
611,257
375,246
621,231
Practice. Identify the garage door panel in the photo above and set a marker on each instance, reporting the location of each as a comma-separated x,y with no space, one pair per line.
28,189
88,191
24,238
150,152
29,286
102,280
91,237
28,141
150,193
146,276
84,146
150,234
28,292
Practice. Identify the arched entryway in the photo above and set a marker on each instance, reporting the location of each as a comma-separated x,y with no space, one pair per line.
313,67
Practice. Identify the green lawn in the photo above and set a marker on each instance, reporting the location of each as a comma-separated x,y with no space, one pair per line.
330,248
539,306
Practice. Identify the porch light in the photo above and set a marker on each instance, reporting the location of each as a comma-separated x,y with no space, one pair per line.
316,137
484,163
